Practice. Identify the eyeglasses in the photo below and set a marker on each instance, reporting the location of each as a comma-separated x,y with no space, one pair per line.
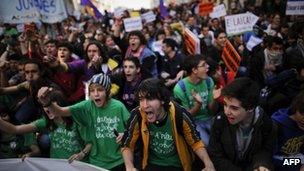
203,65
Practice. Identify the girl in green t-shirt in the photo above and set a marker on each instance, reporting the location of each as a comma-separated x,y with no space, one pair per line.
68,141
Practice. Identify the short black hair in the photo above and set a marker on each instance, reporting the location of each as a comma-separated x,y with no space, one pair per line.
192,61
245,90
140,35
298,104
67,45
273,39
134,60
218,32
154,88
170,42
52,41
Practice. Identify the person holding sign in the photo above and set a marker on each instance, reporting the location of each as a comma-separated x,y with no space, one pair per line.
135,46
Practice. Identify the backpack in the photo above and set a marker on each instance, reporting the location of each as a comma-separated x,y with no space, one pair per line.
182,85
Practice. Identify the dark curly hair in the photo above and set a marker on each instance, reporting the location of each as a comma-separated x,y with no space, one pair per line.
154,88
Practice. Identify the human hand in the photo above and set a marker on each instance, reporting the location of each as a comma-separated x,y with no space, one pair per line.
79,156
96,61
4,65
43,97
179,75
25,156
196,97
217,92
261,168
50,60
119,138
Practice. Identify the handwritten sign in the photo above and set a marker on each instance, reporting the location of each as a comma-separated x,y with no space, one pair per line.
236,24
25,11
295,8
132,24
192,42
231,57
218,11
148,17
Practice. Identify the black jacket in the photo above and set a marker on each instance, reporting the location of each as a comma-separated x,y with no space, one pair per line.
222,145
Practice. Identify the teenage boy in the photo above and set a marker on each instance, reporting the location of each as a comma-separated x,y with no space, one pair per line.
101,115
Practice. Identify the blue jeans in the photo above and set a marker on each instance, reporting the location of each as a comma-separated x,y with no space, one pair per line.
204,129
27,111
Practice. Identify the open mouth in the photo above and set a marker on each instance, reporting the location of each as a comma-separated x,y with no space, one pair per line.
97,100
230,119
150,116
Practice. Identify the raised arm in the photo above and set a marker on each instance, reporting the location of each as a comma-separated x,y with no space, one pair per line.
16,129
53,107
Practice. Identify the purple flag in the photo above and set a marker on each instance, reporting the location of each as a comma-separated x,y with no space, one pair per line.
163,9
90,4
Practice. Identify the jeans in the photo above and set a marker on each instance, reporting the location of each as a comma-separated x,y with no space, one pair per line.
27,111
204,129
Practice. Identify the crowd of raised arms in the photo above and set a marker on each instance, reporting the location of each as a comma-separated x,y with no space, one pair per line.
142,100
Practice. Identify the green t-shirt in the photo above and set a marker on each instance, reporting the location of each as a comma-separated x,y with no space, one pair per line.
162,149
187,100
64,142
101,121
13,145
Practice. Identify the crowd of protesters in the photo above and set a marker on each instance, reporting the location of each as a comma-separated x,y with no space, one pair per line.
88,90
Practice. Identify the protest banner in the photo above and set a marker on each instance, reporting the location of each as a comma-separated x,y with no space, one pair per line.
148,17
252,42
119,11
192,42
132,24
24,11
240,23
204,8
45,164
295,7
218,11
231,57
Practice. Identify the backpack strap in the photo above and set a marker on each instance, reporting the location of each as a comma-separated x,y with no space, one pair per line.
208,82
182,85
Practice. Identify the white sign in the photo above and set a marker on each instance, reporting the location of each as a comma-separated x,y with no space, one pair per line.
157,46
20,28
148,17
236,24
295,8
118,12
218,11
252,42
24,11
132,24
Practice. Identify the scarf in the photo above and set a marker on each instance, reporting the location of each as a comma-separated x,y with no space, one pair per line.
137,53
